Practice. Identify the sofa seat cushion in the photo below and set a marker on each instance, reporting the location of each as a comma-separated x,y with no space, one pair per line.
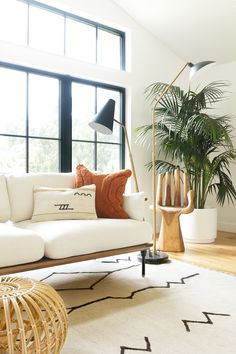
66,238
19,246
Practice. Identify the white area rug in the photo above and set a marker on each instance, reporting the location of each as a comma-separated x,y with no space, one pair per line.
177,308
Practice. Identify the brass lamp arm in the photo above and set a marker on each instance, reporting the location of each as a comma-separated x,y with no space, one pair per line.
130,154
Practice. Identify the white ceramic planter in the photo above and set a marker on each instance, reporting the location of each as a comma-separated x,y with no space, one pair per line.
200,226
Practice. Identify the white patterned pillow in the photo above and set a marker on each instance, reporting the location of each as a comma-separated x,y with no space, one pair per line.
64,203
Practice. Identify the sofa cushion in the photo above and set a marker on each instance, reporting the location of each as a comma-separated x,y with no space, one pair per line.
20,188
64,203
110,188
135,205
19,246
65,238
4,200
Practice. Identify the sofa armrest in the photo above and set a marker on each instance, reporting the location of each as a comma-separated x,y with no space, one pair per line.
135,205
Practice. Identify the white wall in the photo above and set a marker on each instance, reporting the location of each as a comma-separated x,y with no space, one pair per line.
225,72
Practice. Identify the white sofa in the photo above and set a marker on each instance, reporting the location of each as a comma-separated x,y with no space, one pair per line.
27,245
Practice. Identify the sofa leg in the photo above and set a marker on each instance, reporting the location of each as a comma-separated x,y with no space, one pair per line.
143,253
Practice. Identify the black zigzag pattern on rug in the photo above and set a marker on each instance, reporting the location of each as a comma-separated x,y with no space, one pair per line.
92,286
117,260
148,347
133,293
208,319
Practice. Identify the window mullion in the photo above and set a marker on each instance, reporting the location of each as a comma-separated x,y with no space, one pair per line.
28,16
122,110
122,52
96,44
65,126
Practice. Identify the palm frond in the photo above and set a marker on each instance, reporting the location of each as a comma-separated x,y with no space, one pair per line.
162,166
211,93
221,162
224,189
217,130
155,90
189,135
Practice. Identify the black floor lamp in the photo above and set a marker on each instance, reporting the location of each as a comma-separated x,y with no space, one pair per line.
103,123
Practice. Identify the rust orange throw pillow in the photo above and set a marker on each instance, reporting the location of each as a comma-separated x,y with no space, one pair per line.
109,190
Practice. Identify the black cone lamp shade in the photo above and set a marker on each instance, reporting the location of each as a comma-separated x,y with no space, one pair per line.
104,119
103,123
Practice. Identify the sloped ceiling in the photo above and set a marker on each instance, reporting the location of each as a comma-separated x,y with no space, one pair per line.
194,29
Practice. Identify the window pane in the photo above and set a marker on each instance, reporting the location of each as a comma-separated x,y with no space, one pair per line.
82,153
43,155
12,102
12,155
13,21
103,95
83,110
108,49
80,41
108,158
43,106
46,30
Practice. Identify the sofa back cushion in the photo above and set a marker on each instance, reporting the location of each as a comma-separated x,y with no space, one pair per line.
4,200
20,189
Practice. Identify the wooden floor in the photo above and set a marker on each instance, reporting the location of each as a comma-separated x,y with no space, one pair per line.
220,256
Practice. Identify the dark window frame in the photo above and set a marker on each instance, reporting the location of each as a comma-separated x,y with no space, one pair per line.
95,24
65,116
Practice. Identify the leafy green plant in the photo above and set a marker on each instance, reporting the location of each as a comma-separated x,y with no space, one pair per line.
191,136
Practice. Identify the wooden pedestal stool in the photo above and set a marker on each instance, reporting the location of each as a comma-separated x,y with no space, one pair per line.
33,317
170,237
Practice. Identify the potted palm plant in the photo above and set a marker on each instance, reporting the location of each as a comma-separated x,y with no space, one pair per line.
192,137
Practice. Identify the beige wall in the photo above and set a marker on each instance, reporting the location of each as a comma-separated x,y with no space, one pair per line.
225,72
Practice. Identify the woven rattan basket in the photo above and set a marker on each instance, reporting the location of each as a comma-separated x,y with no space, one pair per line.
33,317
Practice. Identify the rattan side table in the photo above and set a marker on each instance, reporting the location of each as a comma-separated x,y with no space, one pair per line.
33,317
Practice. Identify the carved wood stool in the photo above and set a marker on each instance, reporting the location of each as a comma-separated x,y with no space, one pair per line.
170,237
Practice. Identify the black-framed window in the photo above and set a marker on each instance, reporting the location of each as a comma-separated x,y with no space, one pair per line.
44,122
62,33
